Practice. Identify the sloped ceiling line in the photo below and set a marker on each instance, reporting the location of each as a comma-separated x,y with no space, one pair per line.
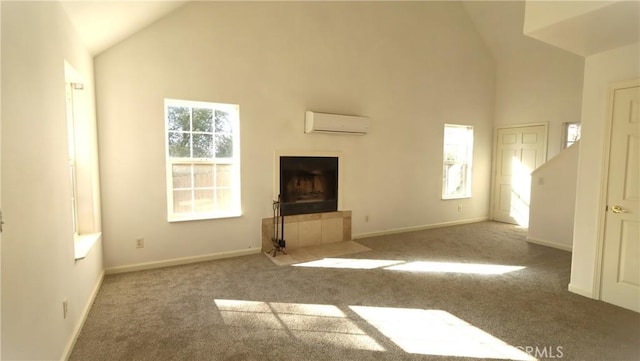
103,24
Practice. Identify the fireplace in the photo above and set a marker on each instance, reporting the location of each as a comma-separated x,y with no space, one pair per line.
308,184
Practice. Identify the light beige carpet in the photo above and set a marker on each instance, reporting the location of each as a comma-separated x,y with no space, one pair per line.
248,309
313,253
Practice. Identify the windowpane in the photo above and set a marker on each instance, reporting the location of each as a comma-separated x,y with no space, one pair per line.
223,123
203,175
203,200
74,197
178,118
181,176
224,146
224,198
179,145
202,120
223,175
202,145
182,201
457,156
571,134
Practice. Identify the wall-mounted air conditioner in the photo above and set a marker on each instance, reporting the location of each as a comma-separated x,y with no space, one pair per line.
315,122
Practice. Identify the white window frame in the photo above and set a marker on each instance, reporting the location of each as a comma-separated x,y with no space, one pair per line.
465,164
235,209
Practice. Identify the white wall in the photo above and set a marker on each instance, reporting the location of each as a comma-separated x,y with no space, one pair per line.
538,83
570,24
541,14
411,67
38,267
535,82
553,200
601,70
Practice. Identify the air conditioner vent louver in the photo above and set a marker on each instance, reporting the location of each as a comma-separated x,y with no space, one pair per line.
315,122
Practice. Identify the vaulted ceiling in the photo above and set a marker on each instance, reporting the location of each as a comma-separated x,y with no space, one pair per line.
499,24
104,23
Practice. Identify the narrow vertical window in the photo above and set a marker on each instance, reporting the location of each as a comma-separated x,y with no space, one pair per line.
82,150
203,160
458,153
72,88
570,134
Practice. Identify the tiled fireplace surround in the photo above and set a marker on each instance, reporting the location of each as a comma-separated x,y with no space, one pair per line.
305,230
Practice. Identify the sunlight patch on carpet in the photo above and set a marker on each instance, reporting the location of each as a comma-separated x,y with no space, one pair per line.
308,323
454,267
351,263
437,332
415,331
418,266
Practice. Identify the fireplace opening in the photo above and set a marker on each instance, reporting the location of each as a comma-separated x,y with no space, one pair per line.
308,185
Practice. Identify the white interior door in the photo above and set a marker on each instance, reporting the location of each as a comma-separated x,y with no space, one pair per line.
518,151
621,252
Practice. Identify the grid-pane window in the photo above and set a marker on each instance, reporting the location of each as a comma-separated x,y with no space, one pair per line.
203,161
458,153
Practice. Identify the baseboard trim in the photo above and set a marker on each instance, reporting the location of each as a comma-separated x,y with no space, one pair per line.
542,242
418,228
83,318
580,291
181,261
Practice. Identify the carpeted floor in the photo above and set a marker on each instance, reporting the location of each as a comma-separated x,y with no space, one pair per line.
409,298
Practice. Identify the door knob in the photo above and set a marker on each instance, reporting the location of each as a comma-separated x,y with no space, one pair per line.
618,209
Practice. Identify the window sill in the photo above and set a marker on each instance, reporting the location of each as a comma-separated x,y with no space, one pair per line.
446,198
84,243
202,217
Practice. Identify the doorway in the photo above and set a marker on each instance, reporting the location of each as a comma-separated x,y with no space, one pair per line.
518,151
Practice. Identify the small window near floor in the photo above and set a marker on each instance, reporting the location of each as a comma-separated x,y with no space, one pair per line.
570,134
458,153
203,160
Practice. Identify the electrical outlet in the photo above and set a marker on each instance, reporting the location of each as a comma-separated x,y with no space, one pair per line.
140,242
65,308
459,207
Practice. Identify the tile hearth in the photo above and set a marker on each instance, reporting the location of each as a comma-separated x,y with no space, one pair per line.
313,253
308,230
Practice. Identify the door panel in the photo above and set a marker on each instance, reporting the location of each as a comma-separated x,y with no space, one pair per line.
529,138
628,268
621,253
520,150
509,138
529,158
631,178
507,161
505,198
